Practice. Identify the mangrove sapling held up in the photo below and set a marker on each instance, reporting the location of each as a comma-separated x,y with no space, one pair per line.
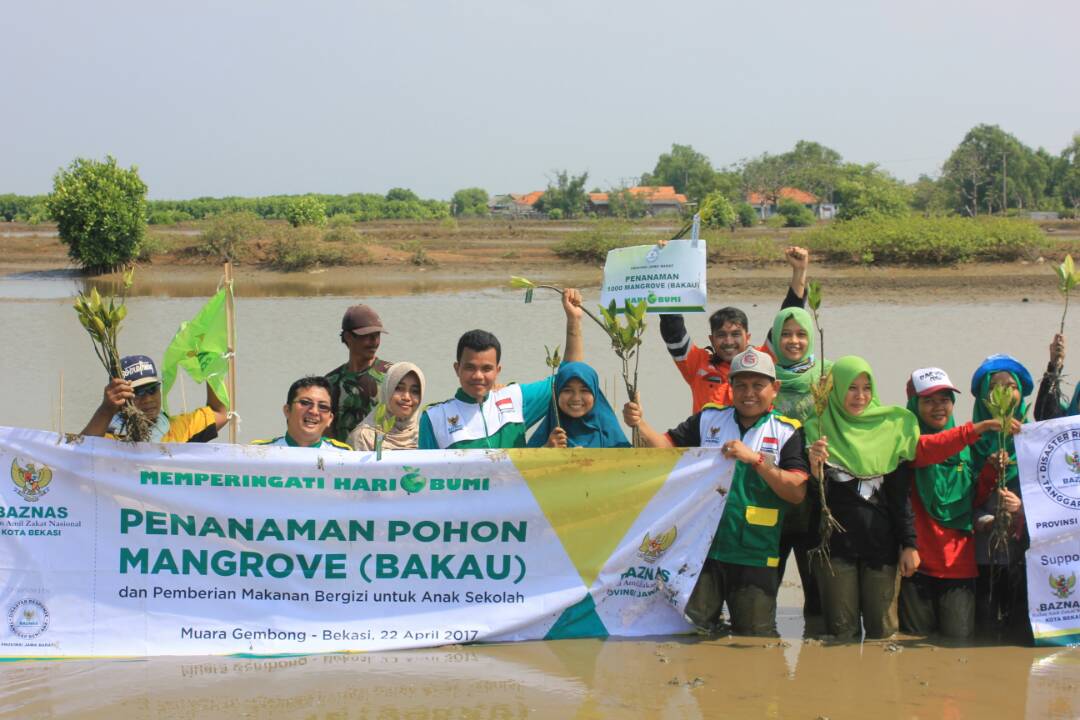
1068,278
553,360
102,322
1002,404
625,339
820,390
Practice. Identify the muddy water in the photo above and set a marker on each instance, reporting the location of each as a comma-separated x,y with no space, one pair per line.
281,338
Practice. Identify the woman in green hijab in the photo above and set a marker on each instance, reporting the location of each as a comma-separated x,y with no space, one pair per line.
855,444
797,368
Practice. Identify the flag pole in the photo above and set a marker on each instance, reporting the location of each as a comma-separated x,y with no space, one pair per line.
230,322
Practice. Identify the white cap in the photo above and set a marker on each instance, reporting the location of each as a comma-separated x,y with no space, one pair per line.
754,361
927,381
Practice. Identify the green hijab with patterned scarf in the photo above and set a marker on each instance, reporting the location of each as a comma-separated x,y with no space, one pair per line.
947,490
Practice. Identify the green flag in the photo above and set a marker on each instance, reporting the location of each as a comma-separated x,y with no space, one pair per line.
200,346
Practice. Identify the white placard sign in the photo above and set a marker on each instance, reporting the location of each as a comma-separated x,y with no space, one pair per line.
670,278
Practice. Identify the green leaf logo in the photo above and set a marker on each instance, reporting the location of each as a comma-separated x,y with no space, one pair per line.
412,481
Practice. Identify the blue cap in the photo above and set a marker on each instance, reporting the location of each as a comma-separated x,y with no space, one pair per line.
138,370
999,363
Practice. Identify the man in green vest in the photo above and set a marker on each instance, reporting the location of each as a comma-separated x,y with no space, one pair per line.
771,470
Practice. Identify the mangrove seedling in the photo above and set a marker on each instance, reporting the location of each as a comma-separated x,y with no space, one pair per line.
384,423
820,390
553,360
625,340
1068,278
102,321
1001,404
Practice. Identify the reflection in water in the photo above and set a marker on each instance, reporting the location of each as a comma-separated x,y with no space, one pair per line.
676,677
1054,688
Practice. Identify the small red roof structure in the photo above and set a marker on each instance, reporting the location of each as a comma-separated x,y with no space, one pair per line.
788,193
651,193
528,198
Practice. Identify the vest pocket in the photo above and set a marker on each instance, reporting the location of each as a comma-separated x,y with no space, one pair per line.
766,517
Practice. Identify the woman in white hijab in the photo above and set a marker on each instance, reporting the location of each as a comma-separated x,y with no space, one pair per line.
402,392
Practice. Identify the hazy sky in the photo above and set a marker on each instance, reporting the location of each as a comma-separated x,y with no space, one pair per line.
246,97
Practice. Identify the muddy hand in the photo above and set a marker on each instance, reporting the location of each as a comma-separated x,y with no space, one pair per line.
1057,350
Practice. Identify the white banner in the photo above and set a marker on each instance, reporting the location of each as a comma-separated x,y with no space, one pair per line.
1048,459
670,278
115,549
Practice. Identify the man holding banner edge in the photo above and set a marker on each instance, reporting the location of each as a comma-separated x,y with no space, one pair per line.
771,470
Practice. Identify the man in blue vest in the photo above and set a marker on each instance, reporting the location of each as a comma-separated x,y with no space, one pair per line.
771,469
483,415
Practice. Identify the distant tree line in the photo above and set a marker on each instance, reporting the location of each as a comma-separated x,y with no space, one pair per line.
398,204
989,172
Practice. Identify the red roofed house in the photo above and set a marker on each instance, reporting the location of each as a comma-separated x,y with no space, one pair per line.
659,199
515,205
766,208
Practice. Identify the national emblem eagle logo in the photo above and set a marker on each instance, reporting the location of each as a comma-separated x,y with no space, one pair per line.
1063,587
31,481
453,420
1073,460
653,547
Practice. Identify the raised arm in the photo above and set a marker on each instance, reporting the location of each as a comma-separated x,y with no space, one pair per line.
221,413
1049,403
575,341
799,260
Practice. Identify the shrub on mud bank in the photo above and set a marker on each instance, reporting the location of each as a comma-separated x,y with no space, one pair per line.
926,240
226,235
293,249
593,244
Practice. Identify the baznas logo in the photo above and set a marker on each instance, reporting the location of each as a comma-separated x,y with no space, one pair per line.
412,481
1063,587
652,548
1073,461
32,481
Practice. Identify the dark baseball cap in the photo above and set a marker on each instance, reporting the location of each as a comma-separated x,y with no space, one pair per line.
138,370
362,320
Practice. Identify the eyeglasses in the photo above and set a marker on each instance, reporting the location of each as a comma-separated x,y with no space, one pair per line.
308,404
149,389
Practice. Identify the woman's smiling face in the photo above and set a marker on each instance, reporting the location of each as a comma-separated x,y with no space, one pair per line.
794,340
575,399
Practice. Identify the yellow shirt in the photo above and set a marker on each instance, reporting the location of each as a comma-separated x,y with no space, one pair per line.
197,426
